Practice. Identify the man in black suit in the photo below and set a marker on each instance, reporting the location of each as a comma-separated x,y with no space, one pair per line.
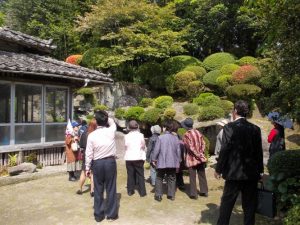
240,164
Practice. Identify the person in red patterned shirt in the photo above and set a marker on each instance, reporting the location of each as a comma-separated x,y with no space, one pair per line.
195,158
276,139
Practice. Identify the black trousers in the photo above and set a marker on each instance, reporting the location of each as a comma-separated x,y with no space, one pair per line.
171,181
232,188
135,175
105,177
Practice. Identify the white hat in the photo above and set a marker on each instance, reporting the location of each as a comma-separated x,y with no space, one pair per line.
222,122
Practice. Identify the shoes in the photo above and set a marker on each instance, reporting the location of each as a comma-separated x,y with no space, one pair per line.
72,178
157,198
79,192
99,219
172,198
92,194
111,219
130,193
203,194
143,195
181,187
194,197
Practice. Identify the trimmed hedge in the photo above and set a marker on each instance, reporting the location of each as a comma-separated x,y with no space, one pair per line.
182,80
151,73
151,116
195,88
170,84
206,99
169,113
100,107
242,91
163,102
293,216
229,68
134,113
198,70
247,60
245,74
210,112
217,60
120,113
74,59
146,102
191,109
177,63
85,91
211,77
227,106
224,81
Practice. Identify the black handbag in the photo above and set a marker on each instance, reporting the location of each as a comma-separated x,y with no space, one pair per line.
266,202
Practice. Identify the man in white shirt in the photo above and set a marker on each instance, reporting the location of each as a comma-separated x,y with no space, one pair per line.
101,150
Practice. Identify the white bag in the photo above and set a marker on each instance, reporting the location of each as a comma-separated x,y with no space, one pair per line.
74,146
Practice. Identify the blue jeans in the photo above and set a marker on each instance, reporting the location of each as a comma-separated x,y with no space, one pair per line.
152,175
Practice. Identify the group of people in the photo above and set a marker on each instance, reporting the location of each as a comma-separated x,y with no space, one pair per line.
240,162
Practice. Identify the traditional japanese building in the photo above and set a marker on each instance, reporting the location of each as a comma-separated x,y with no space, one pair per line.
36,96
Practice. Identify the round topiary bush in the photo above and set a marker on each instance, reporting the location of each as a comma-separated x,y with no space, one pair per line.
246,74
206,99
211,77
151,73
227,106
190,109
163,102
100,107
247,60
85,91
74,59
120,113
182,80
169,113
242,91
210,113
224,81
177,63
199,71
195,88
146,102
170,84
151,116
217,60
229,68
134,113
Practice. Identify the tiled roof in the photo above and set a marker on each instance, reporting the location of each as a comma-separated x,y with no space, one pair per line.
26,40
46,66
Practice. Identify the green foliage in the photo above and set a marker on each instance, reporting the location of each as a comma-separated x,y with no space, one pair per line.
169,113
195,88
12,161
163,102
1,19
151,116
211,77
134,113
247,60
210,112
31,158
293,215
242,91
181,131
90,116
170,84
182,80
190,109
146,102
85,91
199,71
100,107
217,60
227,106
177,63
246,74
224,81
151,73
120,113
206,99
229,69
284,177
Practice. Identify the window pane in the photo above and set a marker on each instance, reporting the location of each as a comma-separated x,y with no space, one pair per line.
4,103
56,104
4,135
27,134
28,103
55,132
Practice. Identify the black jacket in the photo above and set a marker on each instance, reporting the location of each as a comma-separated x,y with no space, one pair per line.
241,155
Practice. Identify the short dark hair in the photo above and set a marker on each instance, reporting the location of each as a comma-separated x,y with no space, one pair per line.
242,108
101,117
170,126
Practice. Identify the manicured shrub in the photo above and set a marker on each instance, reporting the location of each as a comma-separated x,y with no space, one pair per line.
182,80
169,113
206,99
293,216
195,88
151,73
242,91
217,60
163,102
181,131
100,107
247,60
246,74
120,113
198,70
177,63
227,106
170,84
85,91
151,116
146,102
133,113
224,81
229,68
74,59
210,113
211,77
190,109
